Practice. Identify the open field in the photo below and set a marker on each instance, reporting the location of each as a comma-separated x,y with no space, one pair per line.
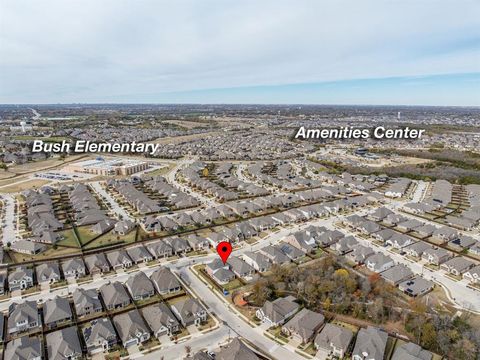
162,171
111,238
45,139
23,185
42,165
187,124
178,139
5,175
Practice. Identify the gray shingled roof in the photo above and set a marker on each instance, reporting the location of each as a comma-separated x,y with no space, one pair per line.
371,341
63,344
24,348
339,336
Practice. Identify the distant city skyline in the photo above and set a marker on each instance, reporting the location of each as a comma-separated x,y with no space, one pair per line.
273,52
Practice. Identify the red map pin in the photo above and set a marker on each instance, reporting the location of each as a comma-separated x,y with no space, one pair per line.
224,249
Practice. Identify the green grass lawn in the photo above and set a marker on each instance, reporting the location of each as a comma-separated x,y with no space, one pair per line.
85,234
318,253
111,238
277,332
310,349
154,299
234,284
69,238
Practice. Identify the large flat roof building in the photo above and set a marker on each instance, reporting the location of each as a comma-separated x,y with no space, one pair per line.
104,167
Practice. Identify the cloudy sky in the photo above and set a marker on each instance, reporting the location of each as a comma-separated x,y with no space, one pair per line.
240,51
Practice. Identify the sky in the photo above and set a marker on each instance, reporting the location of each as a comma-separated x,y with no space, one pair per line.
240,51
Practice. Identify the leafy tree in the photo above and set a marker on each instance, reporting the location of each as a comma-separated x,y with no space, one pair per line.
429,335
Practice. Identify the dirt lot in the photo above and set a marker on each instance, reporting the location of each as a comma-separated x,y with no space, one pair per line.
24,185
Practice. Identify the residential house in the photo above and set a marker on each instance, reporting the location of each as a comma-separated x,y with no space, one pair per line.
379,262
159,249
417,249
139,254
303,241
291,251
99,335
425,230
411,351
462,242
240,268
399,241
394,219
397,274
380,214
384,235
416,286
333,340
140,286
24,348
23,317
197,242
131,328
189,312
97,263
344,245
473,275
409,225
275,255
436,256
445,234
114,296
329,237
219,271
73,268
165,282
368,227
179,245
119,259
56,312
257,260
20,278
86,302
278,311
27,247
236,350
123,227
304,325
370,344
47,273
360,253
64,344
457,265
161,319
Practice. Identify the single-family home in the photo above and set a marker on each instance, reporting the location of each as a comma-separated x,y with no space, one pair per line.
131,328
278,311
333,340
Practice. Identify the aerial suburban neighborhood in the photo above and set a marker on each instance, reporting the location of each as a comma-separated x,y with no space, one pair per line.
239,180
113,255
